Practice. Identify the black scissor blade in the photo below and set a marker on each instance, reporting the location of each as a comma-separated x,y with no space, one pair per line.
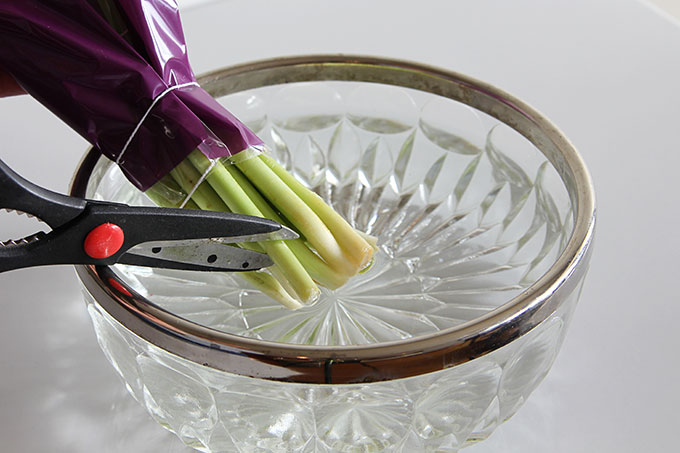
147,224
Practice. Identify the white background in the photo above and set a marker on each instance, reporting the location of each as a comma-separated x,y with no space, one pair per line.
607,72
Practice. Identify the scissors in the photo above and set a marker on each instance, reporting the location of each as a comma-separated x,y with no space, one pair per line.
104,233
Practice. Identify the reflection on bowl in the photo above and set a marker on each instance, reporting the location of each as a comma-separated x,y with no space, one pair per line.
484,240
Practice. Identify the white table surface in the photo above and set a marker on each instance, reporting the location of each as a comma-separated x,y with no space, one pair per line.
607,72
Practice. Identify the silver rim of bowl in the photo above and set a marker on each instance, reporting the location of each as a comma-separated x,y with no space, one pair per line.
383,361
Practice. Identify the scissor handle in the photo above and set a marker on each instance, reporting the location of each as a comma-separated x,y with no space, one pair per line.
52,208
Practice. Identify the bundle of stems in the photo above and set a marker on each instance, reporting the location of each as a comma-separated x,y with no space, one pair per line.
327,253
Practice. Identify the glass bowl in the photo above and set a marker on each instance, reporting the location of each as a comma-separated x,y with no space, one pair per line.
484,214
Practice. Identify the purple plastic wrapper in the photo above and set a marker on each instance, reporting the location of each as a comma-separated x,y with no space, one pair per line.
67,55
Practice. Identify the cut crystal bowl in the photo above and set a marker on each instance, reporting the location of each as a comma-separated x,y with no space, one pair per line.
484,215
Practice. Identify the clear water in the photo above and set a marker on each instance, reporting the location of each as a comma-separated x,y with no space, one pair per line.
468,214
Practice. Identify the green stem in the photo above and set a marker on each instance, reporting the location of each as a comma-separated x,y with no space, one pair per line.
319,270
185,176
298,213
351,242
236,199
271,287
168,193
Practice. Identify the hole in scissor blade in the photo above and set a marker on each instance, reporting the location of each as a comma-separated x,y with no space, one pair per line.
245,264
212,258
156,250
